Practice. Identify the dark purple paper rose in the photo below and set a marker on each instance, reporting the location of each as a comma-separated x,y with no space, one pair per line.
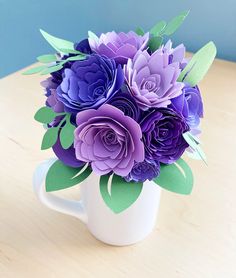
190,105
126,103
109,140
119,46
83,46
162,135
142,171
152,79
89,83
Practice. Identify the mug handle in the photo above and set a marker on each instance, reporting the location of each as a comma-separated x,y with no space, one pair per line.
70,207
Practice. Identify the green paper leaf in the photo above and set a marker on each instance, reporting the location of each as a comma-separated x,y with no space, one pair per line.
158,28
48,58
139,31
71,51
60,176
57,43
176,177
49,138
45,115
92,36
123,194
198,66
34,70
76,58
67,135
154,43
52,69
175,23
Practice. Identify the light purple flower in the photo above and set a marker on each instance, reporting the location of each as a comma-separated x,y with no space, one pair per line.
153,78
119,46
109,140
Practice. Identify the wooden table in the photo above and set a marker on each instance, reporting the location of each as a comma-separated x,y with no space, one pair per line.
195,236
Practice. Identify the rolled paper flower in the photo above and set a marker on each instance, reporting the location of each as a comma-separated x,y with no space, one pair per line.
176,54
190,105
83,46
89,83
126,103
162,135
109,140
119,46
142,171
152,79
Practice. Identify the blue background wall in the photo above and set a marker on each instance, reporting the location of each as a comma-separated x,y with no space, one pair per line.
20,41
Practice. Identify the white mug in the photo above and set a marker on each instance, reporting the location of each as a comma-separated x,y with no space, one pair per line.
125,228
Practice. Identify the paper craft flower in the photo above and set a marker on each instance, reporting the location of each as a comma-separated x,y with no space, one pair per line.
119,46
190,105
142,171
162,135
153,78
89,83
109,140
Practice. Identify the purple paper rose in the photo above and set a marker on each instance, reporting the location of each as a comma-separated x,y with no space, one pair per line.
89,83
109,140
190,105
119,46
162,135
142,171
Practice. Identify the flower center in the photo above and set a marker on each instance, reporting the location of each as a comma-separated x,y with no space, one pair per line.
110,138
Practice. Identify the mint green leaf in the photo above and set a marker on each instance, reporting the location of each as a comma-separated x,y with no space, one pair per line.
60,176
76,58
139,31
93,36
57,43
71,51
67,135
45,115
52,69
123,194
176,177
158,28
154,43
198,66
34,70
175,23
47,58
49,138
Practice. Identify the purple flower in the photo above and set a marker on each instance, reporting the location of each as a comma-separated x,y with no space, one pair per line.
145,170
190,105
119,46
89,83
176,54
83,46
162,135
153,79
109,140
126,103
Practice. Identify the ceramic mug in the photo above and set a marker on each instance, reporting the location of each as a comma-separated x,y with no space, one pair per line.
125,228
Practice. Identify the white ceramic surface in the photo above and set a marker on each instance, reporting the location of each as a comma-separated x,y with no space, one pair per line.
125,228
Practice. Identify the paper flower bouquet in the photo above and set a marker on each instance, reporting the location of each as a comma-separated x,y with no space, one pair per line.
125,106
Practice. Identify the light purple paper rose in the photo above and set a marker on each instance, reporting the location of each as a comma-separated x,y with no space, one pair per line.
109,140
119,46
153,78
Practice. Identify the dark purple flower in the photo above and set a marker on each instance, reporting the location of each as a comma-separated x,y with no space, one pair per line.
162,135
190,105
83,46
126,103
119,46
145,170
89,83
109,140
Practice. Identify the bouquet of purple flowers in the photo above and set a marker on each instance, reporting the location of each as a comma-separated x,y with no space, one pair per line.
123,105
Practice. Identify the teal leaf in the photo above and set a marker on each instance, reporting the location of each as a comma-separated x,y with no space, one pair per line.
175,23
52,69
158,28
34,70
60,176
139,31
76,58
198,66
45,115
176,177
49,138
57,43
67,135
123,194
154,43
47,58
